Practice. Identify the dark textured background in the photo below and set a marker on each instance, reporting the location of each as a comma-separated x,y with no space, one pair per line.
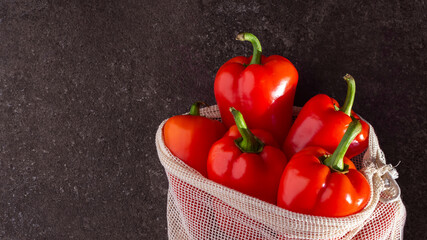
85,84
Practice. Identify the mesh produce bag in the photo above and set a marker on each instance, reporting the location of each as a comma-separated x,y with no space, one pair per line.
198,208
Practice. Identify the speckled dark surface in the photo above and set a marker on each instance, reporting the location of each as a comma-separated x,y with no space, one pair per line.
84,85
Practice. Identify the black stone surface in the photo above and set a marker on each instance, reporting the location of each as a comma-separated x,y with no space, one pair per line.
85,84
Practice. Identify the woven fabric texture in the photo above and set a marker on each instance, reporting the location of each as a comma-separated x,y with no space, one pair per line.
198,208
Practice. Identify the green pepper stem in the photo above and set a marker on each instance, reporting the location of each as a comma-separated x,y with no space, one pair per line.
336,160
248,143
256,44
351,92
195,108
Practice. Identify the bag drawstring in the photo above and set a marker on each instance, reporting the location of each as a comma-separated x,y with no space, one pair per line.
388,173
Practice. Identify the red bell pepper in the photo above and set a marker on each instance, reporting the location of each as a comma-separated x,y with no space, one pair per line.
262,88
189,137
322,123
317,183
246,162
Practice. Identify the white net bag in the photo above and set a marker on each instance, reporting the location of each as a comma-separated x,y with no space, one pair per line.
198,208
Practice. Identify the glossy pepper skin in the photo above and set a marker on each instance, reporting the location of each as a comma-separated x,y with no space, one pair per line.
322,123
190,137
252,164
317,183
262,88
